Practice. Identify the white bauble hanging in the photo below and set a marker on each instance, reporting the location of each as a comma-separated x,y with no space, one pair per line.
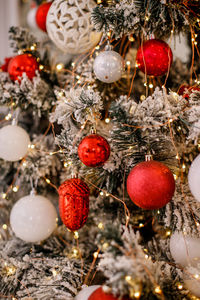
31,18
14,142
69,26
33,218
108,66
194,178
85,293
185,249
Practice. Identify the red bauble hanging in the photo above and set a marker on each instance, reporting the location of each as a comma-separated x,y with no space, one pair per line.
150,185
186,90
74,203
24,63
154,57
41,15
94,150
4,67
99,294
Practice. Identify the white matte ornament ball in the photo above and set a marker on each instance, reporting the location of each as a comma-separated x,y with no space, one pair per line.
108,66
69,26
185,249
31,18
194,178
14,142
85,293
33,218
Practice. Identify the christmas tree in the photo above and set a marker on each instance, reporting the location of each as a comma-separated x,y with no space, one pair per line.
99,148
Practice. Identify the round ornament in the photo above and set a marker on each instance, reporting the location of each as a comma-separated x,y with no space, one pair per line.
185,249
154,57
94,150
31,18
33,218
24,63
41,15
74,203
108,66
194,178
100,294
150,185
86,292
69,26
14,142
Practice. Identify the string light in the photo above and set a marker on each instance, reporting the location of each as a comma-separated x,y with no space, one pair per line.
95,254
48,181
100,225
101,193
5,227
128,63
128,278
4,195
15,188
137,295
54,272
76,235
196,276
151,85
168,233
107,120
141,225
59,66
41,67
180,286
8,117
158,290
142,97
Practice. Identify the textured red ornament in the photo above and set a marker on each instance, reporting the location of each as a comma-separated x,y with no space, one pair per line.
24,63
186,90
4,67
94,150
41,15
154,57
150,185
99,294
74,203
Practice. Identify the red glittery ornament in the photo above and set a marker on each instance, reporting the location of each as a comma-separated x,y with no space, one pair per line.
154,57
4,67
186,90
94,150
99,294
41,15
74,203
150,185
24,63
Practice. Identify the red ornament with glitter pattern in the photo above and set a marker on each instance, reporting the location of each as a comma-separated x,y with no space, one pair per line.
74,203
154,57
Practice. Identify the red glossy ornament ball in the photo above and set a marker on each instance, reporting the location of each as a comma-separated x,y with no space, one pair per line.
150,185
94,150
99,294
24,63
41,15
74,203
154,57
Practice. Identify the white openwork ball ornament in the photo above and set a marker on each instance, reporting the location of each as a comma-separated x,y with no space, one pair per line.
14,142
33,218
85,293
184,249
194,178
69,26
108,66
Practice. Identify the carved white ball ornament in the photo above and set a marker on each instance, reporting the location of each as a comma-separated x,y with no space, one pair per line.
69,26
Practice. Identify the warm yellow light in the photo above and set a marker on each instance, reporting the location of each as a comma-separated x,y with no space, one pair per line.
95,254
76,235
107,120
15,188
137,295
180,286
59,66
158,290
100,225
